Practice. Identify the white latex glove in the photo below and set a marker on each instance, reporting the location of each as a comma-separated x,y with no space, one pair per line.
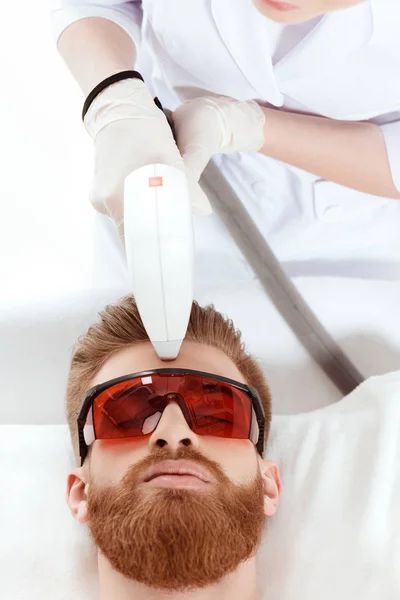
130,131
217,125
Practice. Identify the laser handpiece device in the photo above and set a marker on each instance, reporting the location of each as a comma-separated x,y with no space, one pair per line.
159,245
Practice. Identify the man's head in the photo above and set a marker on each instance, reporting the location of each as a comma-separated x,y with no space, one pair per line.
299,11
172,533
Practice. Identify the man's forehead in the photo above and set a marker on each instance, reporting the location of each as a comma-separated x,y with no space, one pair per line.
142,357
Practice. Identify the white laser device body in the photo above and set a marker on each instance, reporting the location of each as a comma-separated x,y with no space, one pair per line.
159,245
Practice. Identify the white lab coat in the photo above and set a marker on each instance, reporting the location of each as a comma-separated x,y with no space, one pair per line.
340,246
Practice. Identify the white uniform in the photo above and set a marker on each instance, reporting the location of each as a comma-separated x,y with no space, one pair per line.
340,246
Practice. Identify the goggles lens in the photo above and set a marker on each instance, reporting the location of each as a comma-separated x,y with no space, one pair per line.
133,408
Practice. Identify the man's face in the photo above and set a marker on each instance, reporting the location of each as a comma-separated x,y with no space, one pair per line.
175,532
299,11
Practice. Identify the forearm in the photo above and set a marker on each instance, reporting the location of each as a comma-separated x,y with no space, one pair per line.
95,48
348,153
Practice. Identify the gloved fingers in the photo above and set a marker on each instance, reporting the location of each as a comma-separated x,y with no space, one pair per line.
109,203
107,197
119,223
198,133
124,146
196,158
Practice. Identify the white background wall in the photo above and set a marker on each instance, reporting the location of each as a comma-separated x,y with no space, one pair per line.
45,161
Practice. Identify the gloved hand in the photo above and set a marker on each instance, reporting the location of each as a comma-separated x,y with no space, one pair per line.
130,131
216,125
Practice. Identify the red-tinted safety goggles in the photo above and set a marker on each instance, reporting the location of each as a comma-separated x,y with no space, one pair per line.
131,406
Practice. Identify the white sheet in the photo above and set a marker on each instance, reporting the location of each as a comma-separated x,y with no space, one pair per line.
335,536
337,532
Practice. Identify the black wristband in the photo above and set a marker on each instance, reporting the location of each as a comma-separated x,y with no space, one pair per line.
106,83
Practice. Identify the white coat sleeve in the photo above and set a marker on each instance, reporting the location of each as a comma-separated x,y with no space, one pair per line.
127,15
391,133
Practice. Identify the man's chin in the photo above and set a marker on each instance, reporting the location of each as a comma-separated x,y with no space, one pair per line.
175,538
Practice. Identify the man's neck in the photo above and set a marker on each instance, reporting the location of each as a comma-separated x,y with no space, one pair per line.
239,585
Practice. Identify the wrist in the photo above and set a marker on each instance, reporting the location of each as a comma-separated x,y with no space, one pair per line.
272,130
121,100
258,118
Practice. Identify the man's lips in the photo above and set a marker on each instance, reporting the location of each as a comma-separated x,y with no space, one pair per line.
177,468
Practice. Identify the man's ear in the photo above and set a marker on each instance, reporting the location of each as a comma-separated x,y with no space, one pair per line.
77,494
272,486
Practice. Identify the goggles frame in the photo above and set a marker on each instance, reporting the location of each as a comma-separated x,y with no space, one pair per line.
93,392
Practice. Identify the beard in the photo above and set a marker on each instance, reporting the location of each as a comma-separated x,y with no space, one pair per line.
176,539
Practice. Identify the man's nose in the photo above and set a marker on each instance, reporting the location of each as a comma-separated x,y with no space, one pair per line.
172,430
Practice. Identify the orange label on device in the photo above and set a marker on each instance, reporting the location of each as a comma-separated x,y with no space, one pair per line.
155,181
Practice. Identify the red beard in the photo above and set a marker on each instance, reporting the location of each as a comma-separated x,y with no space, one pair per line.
176,539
